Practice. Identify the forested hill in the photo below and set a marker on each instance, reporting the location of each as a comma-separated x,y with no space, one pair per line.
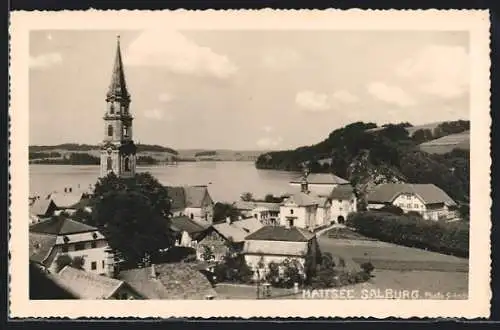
367,156
88,147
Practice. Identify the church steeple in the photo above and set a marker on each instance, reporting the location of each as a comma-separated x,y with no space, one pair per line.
118,151
118,86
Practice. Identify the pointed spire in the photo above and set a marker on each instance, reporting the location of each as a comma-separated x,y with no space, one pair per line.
118,86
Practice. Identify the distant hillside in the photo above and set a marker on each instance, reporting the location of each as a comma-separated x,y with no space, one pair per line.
447,143
367,157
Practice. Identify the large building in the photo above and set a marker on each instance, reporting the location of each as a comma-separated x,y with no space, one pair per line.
118,151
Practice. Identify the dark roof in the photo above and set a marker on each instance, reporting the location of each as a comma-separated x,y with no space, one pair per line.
279,233
342,192
60,225
187,196
42,206
173,281
40,247
321,178
118,86
183,223
428,193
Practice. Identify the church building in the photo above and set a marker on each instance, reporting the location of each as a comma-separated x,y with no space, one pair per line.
118,151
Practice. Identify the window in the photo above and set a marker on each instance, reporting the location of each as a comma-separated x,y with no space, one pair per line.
127,164
103,264
290,222
109,164
65,248
93,265
415,206
125,131
110,130
93,245
191,216
291,211
409,206
79,246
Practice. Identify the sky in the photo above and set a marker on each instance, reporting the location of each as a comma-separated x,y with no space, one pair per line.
245,90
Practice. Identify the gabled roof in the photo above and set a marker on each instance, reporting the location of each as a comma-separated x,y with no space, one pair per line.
173,281
302,199
41,206
342,192
279,233
195,195
282,248
238,230
428,193
177,197
67,199
320,178
60,226
87,285
40,247
183,223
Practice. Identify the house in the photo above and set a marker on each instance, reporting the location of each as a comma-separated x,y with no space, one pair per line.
189,231
169,281
320,183
41,208
192,201
266,213
91,286
60,235
305,210
220,237
427,199
278,243
343,201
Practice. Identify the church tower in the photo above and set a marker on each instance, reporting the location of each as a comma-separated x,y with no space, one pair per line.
118,151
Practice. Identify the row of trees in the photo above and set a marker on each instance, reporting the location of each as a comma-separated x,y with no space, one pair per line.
443,129
413,231
268,198
74,158
41,155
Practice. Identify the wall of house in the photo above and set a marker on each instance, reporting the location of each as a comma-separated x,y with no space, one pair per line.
342,208
318,189
215,242
93,256
301,215
323,216
204,214
409,202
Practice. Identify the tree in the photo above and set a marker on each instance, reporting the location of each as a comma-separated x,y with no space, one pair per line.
207,254
224,210
78,262
62,261
247,197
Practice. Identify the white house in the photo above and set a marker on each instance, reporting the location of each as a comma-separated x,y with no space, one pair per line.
320,183
343,201
194,202
427,199
61,235
276,244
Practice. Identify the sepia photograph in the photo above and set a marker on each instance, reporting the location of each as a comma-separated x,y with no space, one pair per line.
298,164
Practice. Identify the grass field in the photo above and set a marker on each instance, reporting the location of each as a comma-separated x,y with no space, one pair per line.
392,257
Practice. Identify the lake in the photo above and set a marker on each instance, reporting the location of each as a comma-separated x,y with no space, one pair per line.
225,180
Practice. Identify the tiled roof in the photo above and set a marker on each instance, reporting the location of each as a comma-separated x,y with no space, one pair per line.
429,193
296,249
238,230
321,178
60,226
41,206
279,233
342,192
195,195
247,206
183,223
40,247
302,199
86,285
66,199
173,281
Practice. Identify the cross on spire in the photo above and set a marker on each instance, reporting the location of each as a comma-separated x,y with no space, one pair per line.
118,86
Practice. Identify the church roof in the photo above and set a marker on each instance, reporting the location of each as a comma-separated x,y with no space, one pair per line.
118,86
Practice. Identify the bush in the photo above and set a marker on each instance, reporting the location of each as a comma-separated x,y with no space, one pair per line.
443,237
367,267
62,261
233,269
393,209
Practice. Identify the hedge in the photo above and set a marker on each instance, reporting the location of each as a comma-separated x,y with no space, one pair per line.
443,237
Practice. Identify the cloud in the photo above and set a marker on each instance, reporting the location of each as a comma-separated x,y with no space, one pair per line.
157,114
165,97
390,94
344,96
280,59
267,129
45,60
175,52
312,101
269,142
438,70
